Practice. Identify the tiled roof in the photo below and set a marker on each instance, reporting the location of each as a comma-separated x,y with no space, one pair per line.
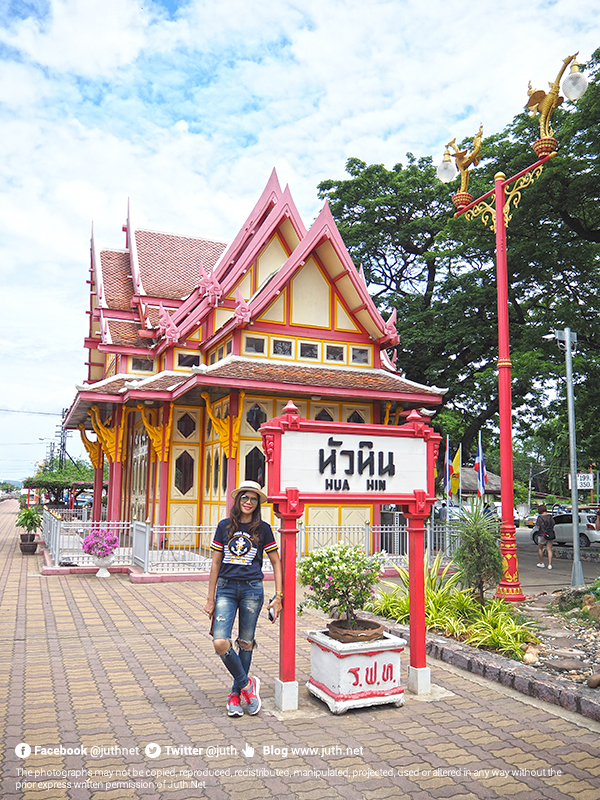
116,275
126,334
351,379
157,383
170,265
107,386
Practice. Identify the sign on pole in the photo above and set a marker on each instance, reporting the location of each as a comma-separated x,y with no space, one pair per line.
585,480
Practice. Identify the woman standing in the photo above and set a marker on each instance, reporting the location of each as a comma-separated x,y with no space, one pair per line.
236,587
545,526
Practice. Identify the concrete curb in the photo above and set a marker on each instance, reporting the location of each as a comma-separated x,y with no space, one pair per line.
521,677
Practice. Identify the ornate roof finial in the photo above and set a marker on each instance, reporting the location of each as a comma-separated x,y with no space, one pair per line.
242,309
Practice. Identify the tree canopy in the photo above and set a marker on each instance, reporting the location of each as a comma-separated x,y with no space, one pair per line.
439,272
77,474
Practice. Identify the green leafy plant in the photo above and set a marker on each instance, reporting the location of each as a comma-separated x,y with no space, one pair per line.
30,519
457,612
496,629
478,554
447,608
340,580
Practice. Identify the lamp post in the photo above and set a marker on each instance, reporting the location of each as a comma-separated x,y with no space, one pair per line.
567,341
497,214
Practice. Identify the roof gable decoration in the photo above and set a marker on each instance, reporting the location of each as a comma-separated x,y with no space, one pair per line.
133,254
167,327
242,311
210,287
273,208
97,271
324,229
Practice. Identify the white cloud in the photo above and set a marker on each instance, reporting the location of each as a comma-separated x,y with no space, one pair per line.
186,111
89,37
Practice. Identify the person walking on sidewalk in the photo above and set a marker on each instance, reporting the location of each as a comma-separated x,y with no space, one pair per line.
235,587
545,526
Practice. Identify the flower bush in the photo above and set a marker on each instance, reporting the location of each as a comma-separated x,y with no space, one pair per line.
340,580
100,542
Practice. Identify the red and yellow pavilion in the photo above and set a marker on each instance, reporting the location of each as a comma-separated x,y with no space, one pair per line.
194,343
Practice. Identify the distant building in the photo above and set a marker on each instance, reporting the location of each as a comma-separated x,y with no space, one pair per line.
194,343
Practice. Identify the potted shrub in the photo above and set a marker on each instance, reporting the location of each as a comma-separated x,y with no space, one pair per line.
341,580
354,663
30,519
101,544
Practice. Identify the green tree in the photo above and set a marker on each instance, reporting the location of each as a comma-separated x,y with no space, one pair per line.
77,474
439,272
478,554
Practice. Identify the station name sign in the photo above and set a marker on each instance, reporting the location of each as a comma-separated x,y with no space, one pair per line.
322,463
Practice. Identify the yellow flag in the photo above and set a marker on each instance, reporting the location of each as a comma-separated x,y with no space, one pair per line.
455,474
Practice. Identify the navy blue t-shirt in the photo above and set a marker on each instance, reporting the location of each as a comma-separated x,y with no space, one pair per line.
242,558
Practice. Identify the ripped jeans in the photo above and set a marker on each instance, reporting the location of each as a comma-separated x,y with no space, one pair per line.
247,598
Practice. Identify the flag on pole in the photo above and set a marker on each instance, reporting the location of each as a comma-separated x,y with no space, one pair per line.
455,471
447,467
480,469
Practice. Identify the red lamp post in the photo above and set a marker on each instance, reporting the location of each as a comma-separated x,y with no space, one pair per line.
506,192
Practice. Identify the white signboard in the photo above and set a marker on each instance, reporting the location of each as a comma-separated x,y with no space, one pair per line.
585,480
320,463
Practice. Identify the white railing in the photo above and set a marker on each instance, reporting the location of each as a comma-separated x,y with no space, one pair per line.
84,514
169,549
64,539
311,537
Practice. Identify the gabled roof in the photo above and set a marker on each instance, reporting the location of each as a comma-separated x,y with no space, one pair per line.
259,376
348,281
170,265
116,273
272,209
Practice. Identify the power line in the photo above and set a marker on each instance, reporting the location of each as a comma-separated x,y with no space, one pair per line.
44,413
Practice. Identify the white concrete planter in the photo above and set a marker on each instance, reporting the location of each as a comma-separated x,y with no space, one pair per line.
103,563
355,675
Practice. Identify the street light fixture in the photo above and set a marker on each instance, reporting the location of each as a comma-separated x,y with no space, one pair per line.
497,213
567,341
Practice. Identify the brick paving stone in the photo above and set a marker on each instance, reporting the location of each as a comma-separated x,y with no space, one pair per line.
118,664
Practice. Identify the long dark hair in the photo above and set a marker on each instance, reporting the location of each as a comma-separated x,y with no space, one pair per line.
235,519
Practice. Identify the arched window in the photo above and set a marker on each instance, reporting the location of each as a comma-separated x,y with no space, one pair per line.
255,466
184,472
186,425
256,416
216,473
207,474
356,417
324,416
224,474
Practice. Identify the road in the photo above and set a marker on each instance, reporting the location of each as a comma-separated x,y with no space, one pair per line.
535,580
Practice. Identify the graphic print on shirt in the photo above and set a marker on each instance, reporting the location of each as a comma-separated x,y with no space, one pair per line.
239,550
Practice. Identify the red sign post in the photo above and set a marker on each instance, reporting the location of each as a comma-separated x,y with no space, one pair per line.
349,464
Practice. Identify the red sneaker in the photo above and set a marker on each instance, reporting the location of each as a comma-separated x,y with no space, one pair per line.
252,697
234,707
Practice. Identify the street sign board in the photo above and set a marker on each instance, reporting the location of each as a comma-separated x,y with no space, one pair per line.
585,480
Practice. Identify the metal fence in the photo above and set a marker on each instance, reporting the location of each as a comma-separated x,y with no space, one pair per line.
64,539
170,549
84,514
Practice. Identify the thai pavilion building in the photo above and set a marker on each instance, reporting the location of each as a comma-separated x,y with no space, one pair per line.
194,343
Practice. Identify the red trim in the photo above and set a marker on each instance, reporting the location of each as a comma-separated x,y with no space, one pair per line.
361,653
358,695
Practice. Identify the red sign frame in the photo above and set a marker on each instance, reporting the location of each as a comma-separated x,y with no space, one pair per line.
289,503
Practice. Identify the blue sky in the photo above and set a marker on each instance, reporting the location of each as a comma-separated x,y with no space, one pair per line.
185,107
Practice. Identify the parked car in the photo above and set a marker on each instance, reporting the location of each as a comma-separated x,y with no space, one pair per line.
563,529
530,520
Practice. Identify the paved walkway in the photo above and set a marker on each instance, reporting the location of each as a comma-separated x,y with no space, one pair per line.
112,667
